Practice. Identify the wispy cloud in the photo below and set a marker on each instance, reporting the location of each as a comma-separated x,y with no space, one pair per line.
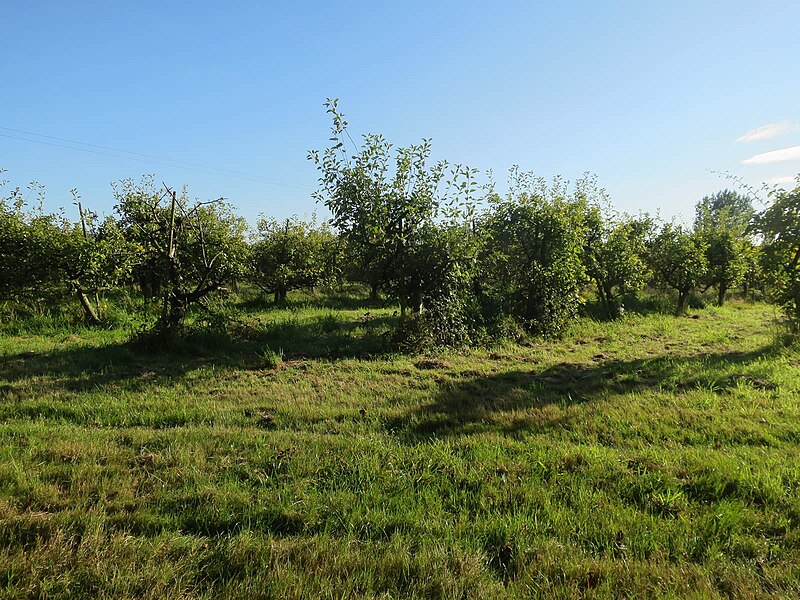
781,155
766,132
781,179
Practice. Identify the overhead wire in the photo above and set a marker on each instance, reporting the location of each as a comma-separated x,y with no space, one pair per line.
149,158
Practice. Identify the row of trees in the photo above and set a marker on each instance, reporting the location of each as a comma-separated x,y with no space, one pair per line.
459,259
435,240
172,251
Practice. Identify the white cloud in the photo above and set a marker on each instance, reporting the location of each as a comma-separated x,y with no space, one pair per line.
781,179
781,155
766,132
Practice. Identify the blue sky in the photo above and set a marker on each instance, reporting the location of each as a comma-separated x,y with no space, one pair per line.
650,96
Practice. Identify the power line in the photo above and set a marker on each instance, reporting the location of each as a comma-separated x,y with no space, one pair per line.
150,158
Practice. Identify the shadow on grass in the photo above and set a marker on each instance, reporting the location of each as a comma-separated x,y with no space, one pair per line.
330,337
650,302
517,401
298,301
643,304
127,365
133,366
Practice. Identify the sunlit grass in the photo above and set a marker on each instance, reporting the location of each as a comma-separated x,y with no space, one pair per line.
653,456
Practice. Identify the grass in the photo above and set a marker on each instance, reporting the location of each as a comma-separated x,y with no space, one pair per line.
652,457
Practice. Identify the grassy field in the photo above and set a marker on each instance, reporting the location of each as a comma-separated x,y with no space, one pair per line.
655,456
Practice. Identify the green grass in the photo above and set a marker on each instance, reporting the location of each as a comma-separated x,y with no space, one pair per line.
655,456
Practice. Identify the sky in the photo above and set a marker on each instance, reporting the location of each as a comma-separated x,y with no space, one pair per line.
655,98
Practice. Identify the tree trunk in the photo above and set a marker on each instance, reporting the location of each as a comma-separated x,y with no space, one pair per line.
796,321
721,291
88,309
532,306
172,315
683,295
280,296
177,312
604,301
373,292
611,303
416,300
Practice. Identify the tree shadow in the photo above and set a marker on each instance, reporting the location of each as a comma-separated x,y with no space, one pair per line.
345,302
644,304
126,366
329,337
299,300
515,402
135,366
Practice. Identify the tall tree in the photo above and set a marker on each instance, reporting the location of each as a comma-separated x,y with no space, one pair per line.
614,255
531,265
292,254
678,259
779,224
189,249
723,221
46,256
384,202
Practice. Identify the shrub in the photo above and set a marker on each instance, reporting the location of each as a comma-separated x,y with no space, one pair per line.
531,260
780,226
678,260
292,254
614,257
187,251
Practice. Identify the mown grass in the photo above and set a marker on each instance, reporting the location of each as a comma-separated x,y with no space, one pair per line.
651,457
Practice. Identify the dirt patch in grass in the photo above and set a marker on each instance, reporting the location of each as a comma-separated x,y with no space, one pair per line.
429,364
